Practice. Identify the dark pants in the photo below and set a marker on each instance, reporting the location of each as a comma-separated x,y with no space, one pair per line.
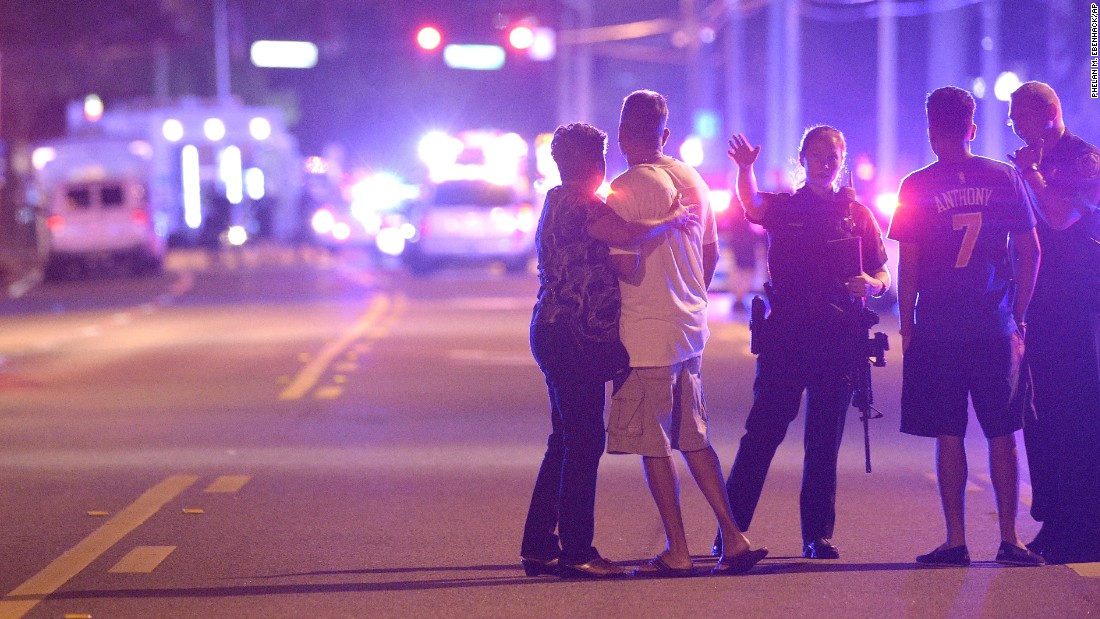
1063,443
783,372
565,491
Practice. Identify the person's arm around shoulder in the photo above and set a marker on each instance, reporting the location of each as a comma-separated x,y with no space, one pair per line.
745,155
618,232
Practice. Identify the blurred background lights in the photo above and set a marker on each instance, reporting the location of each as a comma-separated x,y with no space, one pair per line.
42,156
390,241
521,37
254,183
545,45
192,186
260,128
284,54
236,235
93,107
474,57
214,129
691,151
231,174
865,170
1006,84
720,200
886,203
978,88
172,130
428,38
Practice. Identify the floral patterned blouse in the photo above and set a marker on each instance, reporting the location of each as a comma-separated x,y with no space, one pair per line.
578,286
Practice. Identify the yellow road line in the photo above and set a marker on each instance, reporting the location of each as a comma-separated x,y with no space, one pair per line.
27,595
142,560
228,483
1088,570
328,392
308,376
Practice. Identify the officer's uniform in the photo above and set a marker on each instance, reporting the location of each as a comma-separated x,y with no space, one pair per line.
809,345
1063,348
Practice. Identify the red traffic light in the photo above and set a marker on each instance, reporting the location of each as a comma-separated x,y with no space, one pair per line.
521,37
428,38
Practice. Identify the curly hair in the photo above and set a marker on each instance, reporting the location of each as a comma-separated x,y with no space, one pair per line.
578,149
950,111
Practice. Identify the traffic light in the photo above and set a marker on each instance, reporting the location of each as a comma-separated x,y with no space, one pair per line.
429,38
521,37
536,42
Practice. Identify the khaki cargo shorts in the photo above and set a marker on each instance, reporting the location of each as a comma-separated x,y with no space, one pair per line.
659,409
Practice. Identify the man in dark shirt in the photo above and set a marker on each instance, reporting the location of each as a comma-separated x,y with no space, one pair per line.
955,221
1063,340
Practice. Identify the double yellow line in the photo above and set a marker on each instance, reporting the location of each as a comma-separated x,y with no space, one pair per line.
38,587
373,323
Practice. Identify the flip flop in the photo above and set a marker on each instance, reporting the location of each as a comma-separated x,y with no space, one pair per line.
657,568
739,564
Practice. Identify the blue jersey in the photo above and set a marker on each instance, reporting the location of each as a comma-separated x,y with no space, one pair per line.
960,214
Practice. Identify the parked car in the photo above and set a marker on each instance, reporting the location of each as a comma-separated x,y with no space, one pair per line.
104,221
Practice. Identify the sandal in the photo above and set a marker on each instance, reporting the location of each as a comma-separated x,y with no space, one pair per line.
739,564
657,568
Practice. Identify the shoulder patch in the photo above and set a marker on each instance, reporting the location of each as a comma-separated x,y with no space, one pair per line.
1088,165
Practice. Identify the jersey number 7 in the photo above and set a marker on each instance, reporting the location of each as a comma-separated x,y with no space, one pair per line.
971,223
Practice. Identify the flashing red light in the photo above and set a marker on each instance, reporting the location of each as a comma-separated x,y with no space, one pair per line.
140,216
521,37
55,222
429,38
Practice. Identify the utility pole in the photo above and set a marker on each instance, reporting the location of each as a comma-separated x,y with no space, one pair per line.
783,89
887,98
991,112
221,51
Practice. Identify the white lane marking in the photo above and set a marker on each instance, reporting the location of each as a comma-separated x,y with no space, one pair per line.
142,560
52,577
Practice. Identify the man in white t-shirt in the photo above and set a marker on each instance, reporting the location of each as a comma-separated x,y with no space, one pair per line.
663,325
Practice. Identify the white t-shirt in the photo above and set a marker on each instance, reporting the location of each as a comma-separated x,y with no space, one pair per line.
664,318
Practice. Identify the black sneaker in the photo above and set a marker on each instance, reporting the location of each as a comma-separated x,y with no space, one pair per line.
1008,554
957,556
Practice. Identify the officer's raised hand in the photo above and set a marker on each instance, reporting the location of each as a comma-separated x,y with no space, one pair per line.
742,153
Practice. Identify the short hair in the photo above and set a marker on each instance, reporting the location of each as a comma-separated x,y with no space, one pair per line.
822,132
1035,95
644,114
578,149
950,111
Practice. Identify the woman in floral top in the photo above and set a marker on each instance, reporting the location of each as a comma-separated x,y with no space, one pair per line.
575,340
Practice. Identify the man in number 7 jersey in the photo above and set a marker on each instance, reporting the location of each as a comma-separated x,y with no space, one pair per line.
962,310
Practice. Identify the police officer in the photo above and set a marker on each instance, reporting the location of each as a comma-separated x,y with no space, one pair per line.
1063,444
809,346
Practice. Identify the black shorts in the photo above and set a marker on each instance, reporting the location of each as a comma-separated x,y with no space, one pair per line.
938,376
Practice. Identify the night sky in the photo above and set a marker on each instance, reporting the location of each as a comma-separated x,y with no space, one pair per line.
374,92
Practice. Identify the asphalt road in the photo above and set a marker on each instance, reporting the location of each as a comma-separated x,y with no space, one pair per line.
289,434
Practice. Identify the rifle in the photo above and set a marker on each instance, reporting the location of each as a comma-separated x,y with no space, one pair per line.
871,350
